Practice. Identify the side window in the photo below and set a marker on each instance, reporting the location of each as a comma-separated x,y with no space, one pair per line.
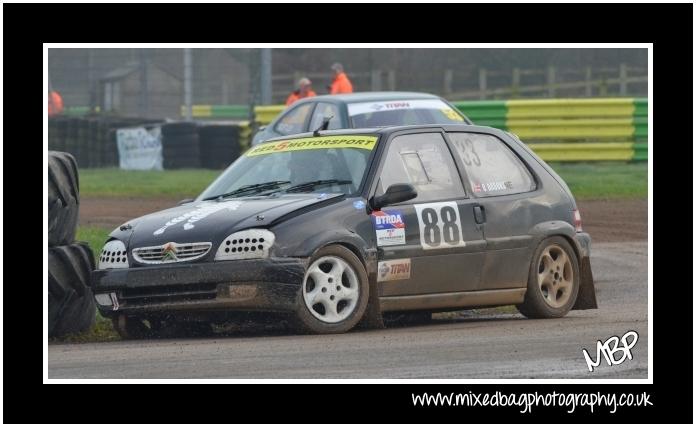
424,161
293,122
324,109
493,169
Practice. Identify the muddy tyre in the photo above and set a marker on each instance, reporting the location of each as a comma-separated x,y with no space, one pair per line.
554,280
63,198
71,307
334,292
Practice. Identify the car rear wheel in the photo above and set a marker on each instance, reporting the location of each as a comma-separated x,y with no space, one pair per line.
554,280
334,292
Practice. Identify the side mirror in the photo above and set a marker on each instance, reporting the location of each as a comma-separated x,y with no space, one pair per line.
395,193
184,202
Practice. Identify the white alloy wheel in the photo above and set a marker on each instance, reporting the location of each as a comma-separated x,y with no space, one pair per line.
330,289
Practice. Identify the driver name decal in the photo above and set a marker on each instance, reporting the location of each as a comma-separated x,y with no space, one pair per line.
201,211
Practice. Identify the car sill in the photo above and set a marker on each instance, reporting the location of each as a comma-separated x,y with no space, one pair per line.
453,300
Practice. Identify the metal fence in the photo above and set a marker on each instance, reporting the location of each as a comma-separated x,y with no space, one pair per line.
151,83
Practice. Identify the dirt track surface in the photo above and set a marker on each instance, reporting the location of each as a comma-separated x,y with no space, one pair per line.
605,220
469,346
615,220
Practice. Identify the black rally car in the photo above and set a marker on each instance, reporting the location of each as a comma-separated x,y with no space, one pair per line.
349,225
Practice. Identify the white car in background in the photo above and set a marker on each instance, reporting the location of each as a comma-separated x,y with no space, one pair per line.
361,110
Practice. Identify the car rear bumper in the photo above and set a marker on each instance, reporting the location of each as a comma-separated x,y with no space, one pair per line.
259,284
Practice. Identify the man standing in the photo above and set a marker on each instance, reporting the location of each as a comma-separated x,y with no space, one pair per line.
304,91
340,83
55,103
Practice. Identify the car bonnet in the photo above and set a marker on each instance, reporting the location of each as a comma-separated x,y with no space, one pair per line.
212,221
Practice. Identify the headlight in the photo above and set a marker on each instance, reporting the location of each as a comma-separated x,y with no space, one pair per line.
253,243
113,255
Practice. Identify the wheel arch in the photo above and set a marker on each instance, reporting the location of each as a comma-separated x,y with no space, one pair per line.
372,319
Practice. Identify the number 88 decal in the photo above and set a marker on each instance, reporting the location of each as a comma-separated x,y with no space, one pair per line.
440,225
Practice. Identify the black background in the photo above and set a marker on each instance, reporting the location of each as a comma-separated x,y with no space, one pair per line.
26,27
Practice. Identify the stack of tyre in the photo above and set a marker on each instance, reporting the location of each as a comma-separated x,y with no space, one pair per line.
71,306
219,145
180,145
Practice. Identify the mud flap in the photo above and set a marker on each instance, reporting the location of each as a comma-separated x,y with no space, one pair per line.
587,298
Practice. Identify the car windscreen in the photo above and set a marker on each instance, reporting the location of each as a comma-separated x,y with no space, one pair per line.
402,112
328,164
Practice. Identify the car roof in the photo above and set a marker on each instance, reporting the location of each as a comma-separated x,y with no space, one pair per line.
384,130
350,98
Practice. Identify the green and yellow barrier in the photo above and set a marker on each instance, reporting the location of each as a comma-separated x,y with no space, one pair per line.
559,129
590,129
582,152
593,124
485,113
230,112
264,114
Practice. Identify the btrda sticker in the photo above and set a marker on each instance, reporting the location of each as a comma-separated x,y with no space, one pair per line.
389,227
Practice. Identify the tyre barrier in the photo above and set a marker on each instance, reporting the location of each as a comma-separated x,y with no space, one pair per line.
93,143
180,145
90,139
219,145
63,198
71,307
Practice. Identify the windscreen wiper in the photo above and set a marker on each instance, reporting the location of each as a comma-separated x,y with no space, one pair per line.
251,188
313,184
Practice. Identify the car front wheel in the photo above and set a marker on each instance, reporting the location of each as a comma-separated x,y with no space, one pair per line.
554,280
334,292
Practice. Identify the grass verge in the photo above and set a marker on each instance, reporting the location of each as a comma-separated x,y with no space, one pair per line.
605,180
114,182
598,180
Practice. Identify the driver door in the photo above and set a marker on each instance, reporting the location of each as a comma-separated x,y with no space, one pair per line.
441,248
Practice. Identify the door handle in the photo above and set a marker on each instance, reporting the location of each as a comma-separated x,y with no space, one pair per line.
479,214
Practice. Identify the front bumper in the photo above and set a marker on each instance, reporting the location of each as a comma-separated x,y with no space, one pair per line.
256,284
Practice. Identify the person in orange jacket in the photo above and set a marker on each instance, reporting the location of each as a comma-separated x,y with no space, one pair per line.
304,91
340,83
55,103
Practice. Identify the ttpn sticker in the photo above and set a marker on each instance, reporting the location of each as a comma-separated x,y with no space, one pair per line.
389,227
396,269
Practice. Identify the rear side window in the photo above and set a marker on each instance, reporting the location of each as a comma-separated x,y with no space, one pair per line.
294,121
493,169
424,161
324,109
402,112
